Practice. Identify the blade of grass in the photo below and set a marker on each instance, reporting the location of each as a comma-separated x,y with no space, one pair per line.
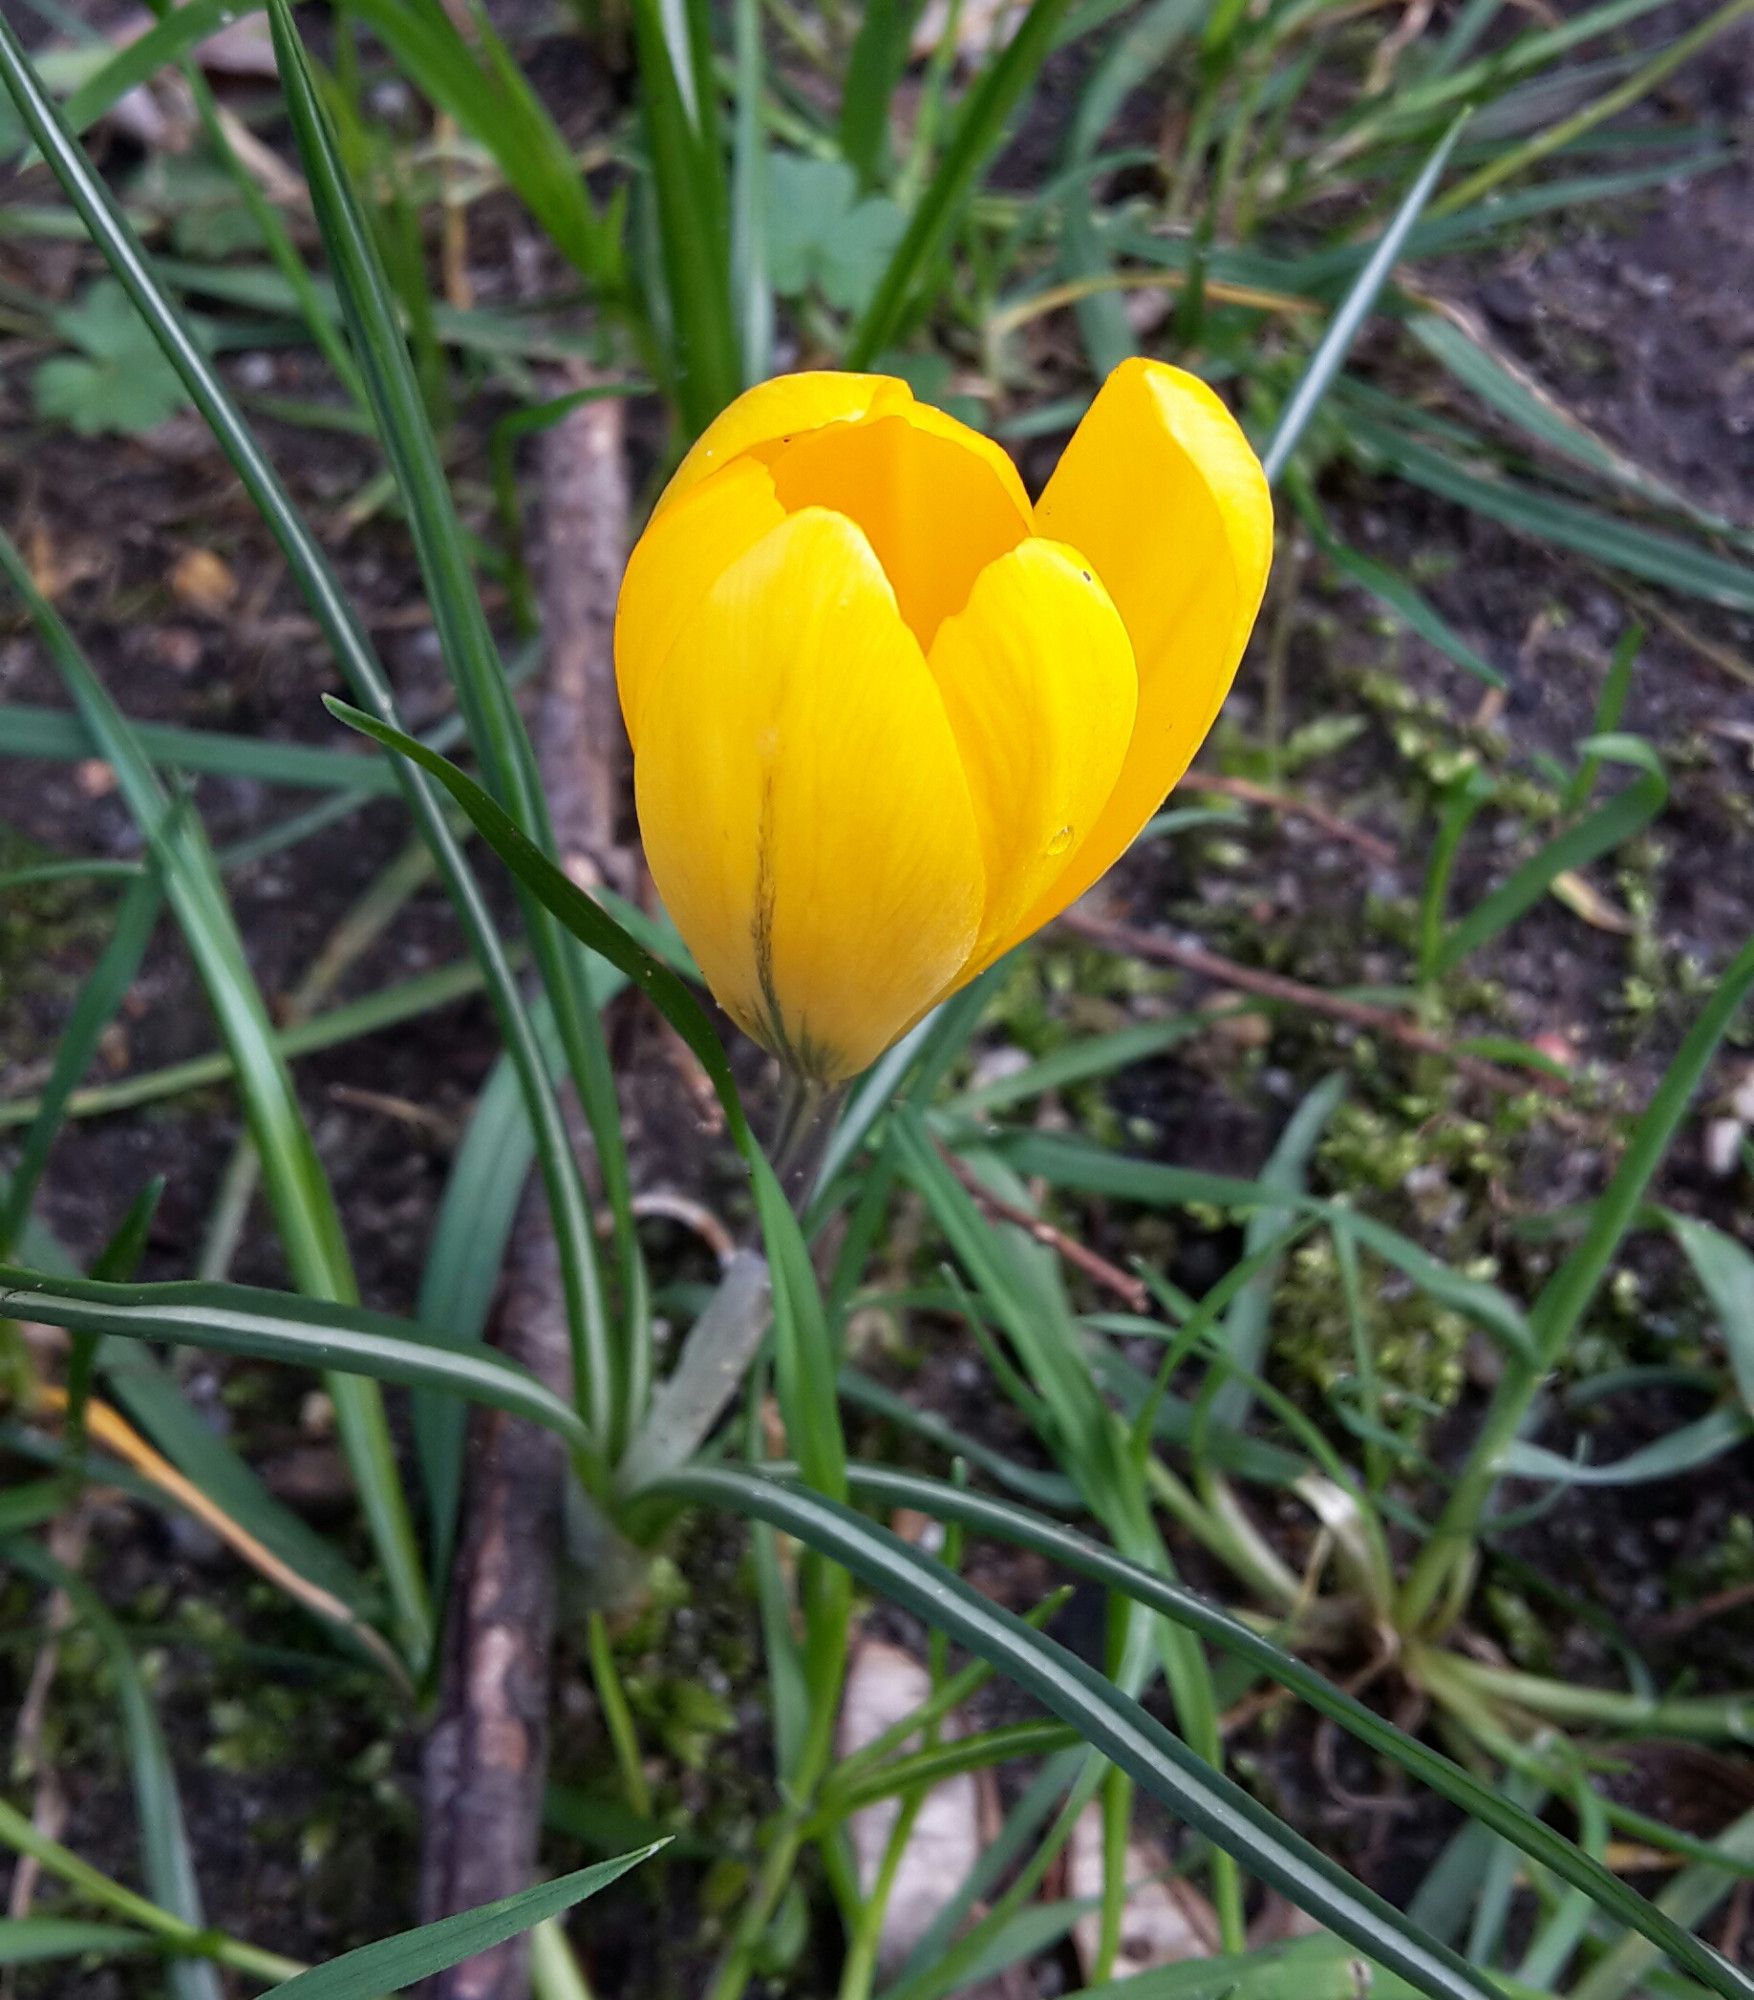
876,65
27,731
979,127
297,1188
1106,1718
1330,356
110,231
397,1962
688,176
489,96
1599,833
87,1020
299,1332
1548,517
1482,1801
1565,131
1443,1563
494,724
167,1864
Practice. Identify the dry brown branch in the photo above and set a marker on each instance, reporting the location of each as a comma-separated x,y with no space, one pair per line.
487,1754
1204,964
1111,1277
1249,793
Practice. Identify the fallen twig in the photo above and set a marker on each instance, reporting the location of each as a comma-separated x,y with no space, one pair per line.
1204,964
487,1754
1123,1284
1249,793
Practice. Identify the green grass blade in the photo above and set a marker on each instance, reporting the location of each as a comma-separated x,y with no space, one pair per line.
34,1940
297,1188
479,676
974,138
177,32
299,1332
1007,1522
688,176
1244,1332
397,1962
876,65
1725,1270
370,1014
752,294
111,233
1513,160
167,1864
1330,356
1482,372
1598,833
1106,1718
491,99
1388,586
583,916
90,1015
27,731
1548,517
1565,1295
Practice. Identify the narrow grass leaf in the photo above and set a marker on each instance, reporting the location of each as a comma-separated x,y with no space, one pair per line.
1685,1449
35,1940
395,1963
297,1188
278,1326
87,1021
491,99
1007,1522
1330,357
693,223
1548,517
27,731
1598,833
979,128
168,1865
1389,587
1725,1270
494,724
876,65
1111,1721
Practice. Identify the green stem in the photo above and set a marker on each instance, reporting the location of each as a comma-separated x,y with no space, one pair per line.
1724,1717
617,1716
188,1939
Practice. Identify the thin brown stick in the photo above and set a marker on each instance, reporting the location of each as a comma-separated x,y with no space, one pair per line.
1249,793
1092,1263
1204,964
487,1754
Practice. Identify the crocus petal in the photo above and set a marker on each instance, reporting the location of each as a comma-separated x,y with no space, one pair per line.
1162,492
1038,682
682,554
775,412
934,511
803,802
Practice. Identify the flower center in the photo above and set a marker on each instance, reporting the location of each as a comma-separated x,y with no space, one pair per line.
935,514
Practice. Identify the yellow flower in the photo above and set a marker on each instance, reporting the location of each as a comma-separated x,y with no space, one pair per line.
888,718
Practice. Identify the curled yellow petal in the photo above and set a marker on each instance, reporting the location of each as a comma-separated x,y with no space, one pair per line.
1038,682
1165,496
934,511
675,563
803,803
775,412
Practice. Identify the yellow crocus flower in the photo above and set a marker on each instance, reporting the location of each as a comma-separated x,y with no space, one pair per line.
887,717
